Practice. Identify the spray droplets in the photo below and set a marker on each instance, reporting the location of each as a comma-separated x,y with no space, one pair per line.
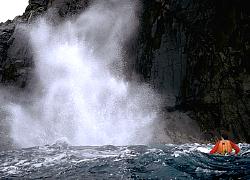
80,99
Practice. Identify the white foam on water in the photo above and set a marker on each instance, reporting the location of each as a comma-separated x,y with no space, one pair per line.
190,148
203,149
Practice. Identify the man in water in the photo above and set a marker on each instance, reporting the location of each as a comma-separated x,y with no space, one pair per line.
225,147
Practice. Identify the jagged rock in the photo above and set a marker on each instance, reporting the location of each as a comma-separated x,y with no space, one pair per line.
15,53
39,2
217,67
196,50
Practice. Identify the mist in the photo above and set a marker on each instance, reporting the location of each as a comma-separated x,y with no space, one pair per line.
81,95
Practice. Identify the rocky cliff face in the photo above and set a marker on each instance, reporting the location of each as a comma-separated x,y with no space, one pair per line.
217,82
161,57
195,50
15,54
199,51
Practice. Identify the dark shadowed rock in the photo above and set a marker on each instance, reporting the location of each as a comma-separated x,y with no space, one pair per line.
197,51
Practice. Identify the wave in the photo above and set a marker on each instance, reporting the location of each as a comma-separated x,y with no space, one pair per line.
187,161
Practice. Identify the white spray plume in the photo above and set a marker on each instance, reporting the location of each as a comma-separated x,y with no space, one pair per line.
81,99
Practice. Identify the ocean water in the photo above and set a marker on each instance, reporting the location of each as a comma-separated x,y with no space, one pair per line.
60,161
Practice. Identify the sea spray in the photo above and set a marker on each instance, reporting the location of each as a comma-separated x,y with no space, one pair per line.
80,94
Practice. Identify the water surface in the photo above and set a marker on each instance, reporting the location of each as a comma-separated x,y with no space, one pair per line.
60,161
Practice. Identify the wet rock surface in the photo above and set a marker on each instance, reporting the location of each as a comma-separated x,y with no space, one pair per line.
197,51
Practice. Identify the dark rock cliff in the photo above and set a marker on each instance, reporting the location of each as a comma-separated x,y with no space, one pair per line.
197,51
216,86
15,54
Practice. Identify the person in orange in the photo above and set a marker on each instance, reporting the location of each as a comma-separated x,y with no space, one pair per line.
225,147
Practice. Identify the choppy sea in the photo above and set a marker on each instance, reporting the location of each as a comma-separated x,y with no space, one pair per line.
61,161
